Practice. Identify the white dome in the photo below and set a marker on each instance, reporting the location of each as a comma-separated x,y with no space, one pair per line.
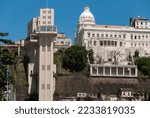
86,17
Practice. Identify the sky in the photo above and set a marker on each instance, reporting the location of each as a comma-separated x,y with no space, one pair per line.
15,14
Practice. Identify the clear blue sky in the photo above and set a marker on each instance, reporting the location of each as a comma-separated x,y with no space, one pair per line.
15,14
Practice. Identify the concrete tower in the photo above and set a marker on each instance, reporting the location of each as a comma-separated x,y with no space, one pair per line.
38,51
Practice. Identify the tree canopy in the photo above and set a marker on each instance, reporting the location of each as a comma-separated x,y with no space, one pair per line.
75,58
143,64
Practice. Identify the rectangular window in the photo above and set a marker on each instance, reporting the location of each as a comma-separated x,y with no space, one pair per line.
115,43
48,48
95,43
139,37
102,35
43,48
131,36
44,11
48,67
48,86
120,43
108,43
43,67
44,17
44,22
49,11
43,86
89,35
93,35
101,43
49,22
49,17
97,35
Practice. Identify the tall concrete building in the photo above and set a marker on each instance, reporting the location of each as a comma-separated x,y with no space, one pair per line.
38,53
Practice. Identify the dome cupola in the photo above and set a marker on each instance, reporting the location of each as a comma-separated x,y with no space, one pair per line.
86,17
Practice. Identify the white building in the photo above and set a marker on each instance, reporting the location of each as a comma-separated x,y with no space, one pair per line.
38,53
111,43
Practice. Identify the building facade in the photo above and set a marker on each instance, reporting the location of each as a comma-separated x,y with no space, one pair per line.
110,43
62,42
38,54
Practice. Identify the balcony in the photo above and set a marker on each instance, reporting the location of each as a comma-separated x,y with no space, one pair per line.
46,29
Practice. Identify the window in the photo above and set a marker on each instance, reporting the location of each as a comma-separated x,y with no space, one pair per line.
49,22
49,11
102,35
104,43
48,86
44,11
115,43
111,35
44,17
48,48
49,17
44,22
95,43
43,48
97,35
145,23
139,37
135,37
48,67
43,67
119,36
120,43
106,35
89,35
93,35
43,86
124,36
116,35
131,36
131,45
101,43
108,43
135,44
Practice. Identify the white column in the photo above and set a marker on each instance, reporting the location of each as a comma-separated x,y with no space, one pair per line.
117,71
123,71
103,71
110,71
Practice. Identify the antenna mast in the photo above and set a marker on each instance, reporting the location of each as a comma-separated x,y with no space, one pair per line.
47,3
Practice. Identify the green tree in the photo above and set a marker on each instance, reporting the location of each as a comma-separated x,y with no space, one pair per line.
75,58
143,64
6,58
90,56
136,54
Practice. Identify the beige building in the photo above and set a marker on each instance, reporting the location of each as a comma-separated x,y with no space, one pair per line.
62,42
38,53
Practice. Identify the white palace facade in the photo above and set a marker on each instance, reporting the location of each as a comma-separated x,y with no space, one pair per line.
112,45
